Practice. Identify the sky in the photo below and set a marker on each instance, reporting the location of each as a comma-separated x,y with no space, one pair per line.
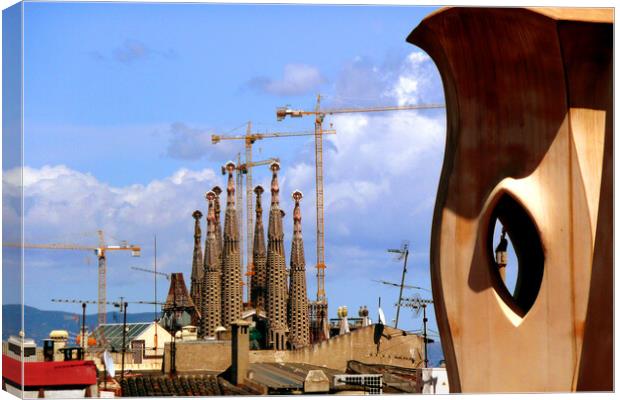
121,99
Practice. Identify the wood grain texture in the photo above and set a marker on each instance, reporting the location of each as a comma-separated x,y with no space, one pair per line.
529,116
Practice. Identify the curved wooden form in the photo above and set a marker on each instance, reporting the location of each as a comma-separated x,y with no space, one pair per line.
529,108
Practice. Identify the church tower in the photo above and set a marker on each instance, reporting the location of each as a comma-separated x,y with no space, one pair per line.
212,281
277,294
231,260
299,324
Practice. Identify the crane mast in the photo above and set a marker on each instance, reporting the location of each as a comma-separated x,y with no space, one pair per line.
102,278
320,227
249,211
100,250
239,209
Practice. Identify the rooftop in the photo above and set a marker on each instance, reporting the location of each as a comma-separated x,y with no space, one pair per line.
185,385
113,333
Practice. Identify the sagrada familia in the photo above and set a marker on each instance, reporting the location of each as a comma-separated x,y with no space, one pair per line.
278,295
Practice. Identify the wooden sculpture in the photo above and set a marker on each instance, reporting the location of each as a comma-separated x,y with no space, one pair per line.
529,143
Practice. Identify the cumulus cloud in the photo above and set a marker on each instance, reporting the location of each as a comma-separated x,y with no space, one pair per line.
417,81
297,79
60,201
410,79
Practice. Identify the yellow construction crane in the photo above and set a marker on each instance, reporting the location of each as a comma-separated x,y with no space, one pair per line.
283,112
249,138
100,251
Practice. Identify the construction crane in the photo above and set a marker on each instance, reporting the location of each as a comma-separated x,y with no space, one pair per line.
100,251
249,139
319,114
245,168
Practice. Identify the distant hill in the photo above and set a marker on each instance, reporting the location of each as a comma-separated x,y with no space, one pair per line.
39,323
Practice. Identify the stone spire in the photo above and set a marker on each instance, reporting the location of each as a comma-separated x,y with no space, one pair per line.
197,267
258,295
212,281
277,293
218,222
298,319
231,260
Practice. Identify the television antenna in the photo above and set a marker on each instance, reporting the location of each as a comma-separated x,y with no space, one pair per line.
417,303
397,285
402,254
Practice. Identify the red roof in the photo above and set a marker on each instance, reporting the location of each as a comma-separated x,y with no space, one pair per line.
50,373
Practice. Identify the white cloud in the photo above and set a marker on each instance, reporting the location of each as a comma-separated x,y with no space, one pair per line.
412,80
296,79
189,143
62,201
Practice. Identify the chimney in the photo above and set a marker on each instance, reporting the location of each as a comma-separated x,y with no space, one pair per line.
240,351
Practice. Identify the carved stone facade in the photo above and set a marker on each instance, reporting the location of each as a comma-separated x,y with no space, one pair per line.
258,294
212,280
277,294
231,260
196,278
299,325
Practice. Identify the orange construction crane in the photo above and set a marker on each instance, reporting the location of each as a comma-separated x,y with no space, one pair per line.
100,251
249,138
319,114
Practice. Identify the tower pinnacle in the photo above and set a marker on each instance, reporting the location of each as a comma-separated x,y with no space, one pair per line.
298,318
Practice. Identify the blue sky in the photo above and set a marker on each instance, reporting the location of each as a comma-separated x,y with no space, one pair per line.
121,99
